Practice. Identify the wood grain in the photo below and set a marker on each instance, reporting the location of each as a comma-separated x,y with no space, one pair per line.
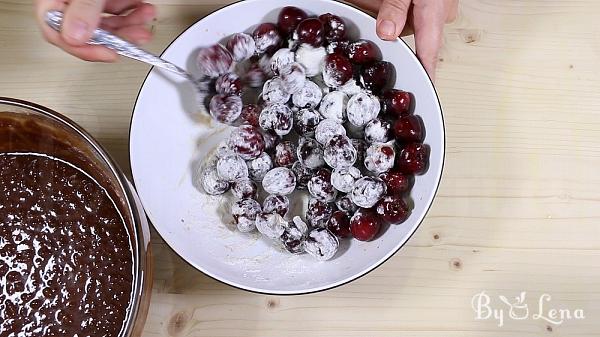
518,208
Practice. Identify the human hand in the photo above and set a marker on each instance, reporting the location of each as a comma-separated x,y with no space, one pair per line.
128,21
426,18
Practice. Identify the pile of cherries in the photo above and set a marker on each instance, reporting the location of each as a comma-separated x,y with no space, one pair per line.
326,120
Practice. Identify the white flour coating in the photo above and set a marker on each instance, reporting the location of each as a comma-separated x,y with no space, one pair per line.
280,180
293,78
377,131
274,91
270,225
343,179
311,59
321,244
367,191
214,61
306,121
345,204
232,168
339,152
223,150
310,153
362,108
276,203
351,88
242,47
332,76
259,167
244,213
333,106
282,59
246,141
294,235
276,117
309,96
320,188
226,108
380,157
327,129
266,41
243,188
318,213
211,183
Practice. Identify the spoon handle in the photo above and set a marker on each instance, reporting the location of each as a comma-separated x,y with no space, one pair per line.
120,46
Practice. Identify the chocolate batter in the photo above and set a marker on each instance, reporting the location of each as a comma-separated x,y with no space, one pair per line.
66,263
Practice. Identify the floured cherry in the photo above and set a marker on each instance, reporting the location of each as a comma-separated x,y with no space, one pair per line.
212,183
226,108
306,121
250,114
279,204
334,26
282,59
214,61
271,225
345,204
327,129
380,157
362,108
377,76
294,235
285,154
321,244
229,84
339,47
310,153
337,70
274,91
309,96
258,168
247,142
244,214
267,38
318,212
280,180
293,78
333,106
303,175
339,152
311,59
232,168
320,186
343,179
367,191
244,189
378,131
241,46
255,76
276,118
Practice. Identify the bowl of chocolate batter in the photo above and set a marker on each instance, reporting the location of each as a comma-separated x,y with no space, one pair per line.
74,241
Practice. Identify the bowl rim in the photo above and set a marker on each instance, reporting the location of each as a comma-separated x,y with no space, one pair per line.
139,253
339,283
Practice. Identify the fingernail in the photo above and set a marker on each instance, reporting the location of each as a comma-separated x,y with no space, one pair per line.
387,28
77,31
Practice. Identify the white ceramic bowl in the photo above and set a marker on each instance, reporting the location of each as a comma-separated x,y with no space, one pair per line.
167,142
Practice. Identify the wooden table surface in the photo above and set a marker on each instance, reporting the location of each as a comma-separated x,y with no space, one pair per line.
518,209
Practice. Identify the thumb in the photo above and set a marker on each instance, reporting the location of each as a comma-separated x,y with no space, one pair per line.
81,18
392,18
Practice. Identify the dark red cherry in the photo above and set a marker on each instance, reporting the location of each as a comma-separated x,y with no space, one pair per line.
396,102
335,27
250,114
365,225
396,182
267,38
285,154
413,158
363,52
340,47
392,209
289,18
337,71
310,31
409,129
339,224
377,76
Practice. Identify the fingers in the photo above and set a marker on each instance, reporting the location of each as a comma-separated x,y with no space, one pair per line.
141,15
392,18
429,19
120,6
452,11
81,18
136,34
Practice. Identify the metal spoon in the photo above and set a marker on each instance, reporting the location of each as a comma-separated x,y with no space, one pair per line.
128,49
